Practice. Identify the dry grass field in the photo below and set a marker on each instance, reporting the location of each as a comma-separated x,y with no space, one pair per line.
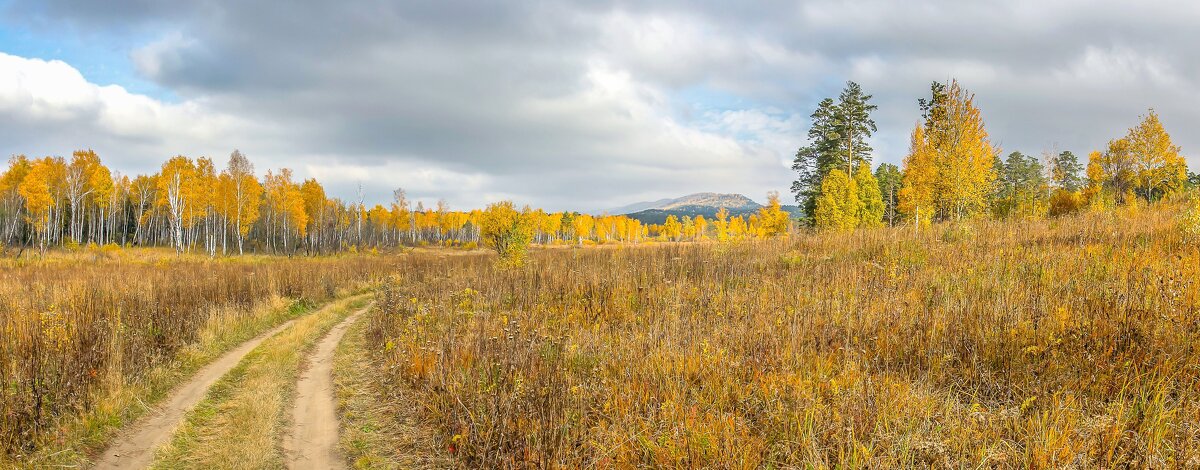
1052,343
88,338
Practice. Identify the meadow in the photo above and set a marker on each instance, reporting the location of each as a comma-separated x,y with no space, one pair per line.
91,336
1042,344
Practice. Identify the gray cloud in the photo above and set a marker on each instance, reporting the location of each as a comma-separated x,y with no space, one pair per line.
587,105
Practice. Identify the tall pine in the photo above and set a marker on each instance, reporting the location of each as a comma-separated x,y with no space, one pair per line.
837,139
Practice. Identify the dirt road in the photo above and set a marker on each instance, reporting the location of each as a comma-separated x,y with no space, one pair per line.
134,448
313,440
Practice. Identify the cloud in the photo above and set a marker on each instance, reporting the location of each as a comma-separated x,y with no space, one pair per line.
592,104
51,108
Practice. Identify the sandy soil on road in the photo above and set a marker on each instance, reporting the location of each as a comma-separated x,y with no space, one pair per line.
313,440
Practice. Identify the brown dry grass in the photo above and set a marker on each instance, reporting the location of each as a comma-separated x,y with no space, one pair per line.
79,333
1068,342
381,425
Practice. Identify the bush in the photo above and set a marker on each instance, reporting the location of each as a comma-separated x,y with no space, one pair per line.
1064,202
507,231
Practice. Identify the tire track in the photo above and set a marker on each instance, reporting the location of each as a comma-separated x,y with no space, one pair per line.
134,448
313,439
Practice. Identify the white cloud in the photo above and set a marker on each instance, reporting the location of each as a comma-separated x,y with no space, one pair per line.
1119,68
50,100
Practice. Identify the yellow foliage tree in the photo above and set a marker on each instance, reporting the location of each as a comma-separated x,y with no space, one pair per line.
701,227
11,202
870,198
583,224
313,196
245,195
1159,168
772,218
738,228
286,203
917,187
507,231
41,188
951,158
722,225
672,229
176,190
838,204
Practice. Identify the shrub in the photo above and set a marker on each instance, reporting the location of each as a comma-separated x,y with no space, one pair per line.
1064,202
507,231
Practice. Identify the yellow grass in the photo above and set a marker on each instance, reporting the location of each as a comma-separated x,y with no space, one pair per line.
381,426
1067,342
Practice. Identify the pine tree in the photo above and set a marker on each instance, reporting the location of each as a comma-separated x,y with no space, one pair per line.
837,138
814,160
854,126
1065,169
1022,187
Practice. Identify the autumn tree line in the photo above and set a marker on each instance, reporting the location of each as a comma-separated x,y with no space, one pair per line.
953,171
192,206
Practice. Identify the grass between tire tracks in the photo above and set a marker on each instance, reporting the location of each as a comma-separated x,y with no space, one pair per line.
241,422
91,432
379,425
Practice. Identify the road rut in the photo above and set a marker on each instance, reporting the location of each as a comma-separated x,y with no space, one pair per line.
313,439
134,448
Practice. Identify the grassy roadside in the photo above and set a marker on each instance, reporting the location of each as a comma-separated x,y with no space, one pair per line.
240,423
126,402
379,426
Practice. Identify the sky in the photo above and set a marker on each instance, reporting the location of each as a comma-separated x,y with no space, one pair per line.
570,105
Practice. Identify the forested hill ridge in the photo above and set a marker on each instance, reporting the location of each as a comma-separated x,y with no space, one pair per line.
706,205
731,201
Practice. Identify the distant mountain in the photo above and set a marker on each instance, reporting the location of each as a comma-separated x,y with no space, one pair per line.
714,200
637,206
704,204
732,202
